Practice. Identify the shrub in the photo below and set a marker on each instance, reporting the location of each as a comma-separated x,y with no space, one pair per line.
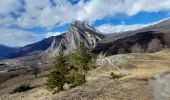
91,64
121,51
114,76
22,88
35,70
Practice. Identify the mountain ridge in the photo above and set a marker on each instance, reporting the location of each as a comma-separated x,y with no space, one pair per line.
81,31
109,44
66,42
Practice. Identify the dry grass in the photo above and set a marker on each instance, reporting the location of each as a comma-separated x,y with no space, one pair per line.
138,66
39,92
146,65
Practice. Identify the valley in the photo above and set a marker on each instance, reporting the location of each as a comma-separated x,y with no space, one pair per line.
138,56
84,49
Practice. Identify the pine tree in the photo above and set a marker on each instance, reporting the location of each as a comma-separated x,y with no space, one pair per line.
73,72
80,59
75,78
57,77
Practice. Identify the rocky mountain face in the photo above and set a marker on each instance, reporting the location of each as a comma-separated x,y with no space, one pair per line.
66,42
148,39
79,32
5,51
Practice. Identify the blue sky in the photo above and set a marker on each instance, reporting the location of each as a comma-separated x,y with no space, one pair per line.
26,21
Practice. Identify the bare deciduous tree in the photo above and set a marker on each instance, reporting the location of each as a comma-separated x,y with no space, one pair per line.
136,48
35,70
154,45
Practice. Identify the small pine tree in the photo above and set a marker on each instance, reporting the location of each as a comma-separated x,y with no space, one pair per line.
75,78
80,59
57,77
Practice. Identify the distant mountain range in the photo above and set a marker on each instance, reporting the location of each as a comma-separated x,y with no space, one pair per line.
6,51
148,39
36,48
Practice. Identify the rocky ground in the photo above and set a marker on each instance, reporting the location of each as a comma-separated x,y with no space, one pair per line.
139,83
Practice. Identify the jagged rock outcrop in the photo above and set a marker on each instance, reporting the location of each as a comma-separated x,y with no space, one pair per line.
79,32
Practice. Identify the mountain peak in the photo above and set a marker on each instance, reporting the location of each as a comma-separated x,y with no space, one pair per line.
78,22
82,25
79,31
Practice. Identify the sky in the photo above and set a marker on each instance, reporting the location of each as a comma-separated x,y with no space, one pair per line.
26,21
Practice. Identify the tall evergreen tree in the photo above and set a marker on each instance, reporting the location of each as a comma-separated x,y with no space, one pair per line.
57,77
80,61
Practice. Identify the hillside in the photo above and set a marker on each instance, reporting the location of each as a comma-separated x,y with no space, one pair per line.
148,39
5,51
139,83
37,47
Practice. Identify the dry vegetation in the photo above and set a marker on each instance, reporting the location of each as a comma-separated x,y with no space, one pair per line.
100,85
145,65
38,92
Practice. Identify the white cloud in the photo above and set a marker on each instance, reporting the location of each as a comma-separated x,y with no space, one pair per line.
108,28
98,9
8,6
52,34
43,14
15,37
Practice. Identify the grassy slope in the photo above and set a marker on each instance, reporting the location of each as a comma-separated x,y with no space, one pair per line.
134,86
145,65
